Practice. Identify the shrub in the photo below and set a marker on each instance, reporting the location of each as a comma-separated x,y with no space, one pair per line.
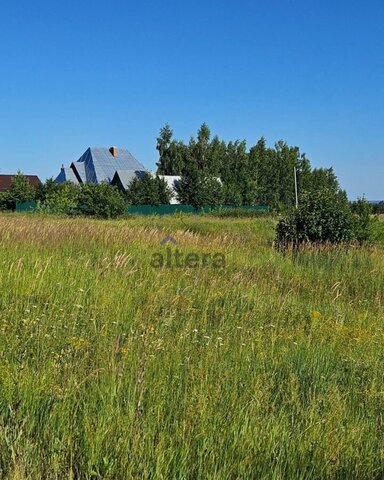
59,198
100,200
322,217
44,191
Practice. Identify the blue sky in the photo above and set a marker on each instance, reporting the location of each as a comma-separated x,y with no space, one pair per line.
76,74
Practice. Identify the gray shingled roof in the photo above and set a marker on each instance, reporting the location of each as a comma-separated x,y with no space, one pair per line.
78,169
98,165
66,175
126,176
101,165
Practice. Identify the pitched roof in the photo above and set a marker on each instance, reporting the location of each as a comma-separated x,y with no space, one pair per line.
66,175
78,169
100,164
125,177
6,181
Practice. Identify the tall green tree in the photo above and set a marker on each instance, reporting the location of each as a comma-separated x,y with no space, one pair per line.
321,178
199,189
149,190
173,154
202,148
166,160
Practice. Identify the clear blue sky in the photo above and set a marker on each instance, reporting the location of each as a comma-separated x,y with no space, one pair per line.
99,73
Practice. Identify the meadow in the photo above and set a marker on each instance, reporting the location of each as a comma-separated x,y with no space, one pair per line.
269,367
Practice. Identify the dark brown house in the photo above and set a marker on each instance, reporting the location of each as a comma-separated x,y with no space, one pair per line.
6,181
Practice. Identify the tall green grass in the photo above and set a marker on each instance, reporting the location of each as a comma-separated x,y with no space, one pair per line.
271,368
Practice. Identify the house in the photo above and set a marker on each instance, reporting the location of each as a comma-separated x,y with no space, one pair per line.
6,181
98,165
110,165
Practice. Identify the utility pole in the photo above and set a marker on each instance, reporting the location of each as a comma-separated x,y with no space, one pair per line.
296,195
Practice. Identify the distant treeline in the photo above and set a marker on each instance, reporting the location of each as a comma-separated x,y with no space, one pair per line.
378,208
258,175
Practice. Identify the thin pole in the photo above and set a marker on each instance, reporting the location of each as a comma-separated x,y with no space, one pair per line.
296,195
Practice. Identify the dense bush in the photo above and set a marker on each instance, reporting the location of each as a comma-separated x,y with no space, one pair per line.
100,200
59,198
324,216
47,189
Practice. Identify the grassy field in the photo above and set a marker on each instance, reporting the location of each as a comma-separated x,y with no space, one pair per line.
268,368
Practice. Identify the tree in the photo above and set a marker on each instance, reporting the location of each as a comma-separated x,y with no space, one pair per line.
164,165
239,186
261,175
149,190
304,174
232,194
19,192
264,169
216,156
202,147
323,178
362,219
199,189
378,208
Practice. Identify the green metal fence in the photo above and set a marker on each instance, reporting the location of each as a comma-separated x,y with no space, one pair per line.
166,209
172,209
26,207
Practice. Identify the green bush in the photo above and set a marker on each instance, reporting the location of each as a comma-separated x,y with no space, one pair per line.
324,216
45,190
101,200
61,198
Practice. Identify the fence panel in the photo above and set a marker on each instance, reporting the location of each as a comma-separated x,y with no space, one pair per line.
25,206
165,209
171,209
